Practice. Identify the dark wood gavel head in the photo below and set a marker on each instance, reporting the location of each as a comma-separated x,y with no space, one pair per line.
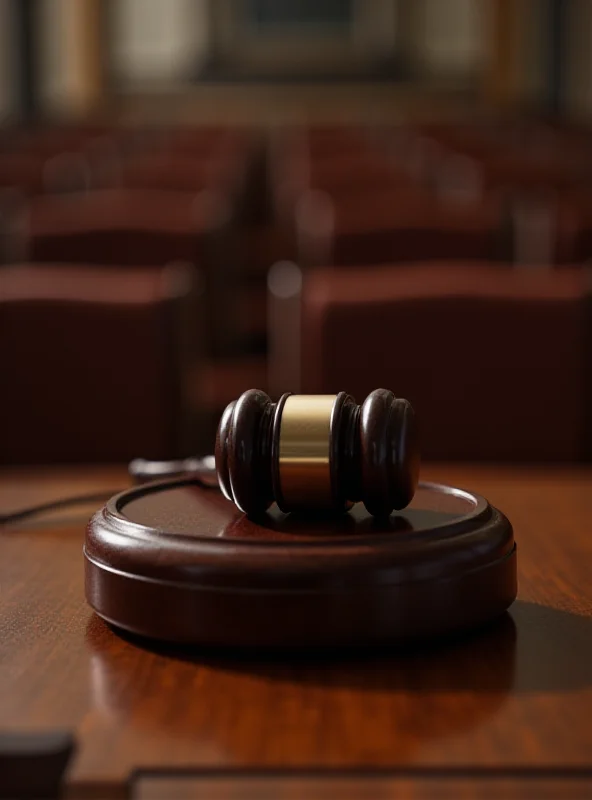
318,452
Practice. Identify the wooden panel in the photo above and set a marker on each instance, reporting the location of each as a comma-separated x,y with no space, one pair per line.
516,698
91,27
518,46
500,74
84,54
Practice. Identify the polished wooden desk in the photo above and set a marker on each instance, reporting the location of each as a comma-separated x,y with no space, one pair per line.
504,713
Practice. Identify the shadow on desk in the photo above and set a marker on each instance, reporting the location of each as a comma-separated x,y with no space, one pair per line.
530,649
349,708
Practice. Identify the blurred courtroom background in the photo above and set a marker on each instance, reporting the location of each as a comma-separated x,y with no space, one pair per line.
198,197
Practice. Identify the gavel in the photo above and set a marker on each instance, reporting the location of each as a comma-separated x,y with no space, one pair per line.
320,453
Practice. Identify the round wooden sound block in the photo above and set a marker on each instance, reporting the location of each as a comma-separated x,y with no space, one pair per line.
178,562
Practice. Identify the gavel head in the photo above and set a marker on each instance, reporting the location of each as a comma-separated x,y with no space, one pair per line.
318,452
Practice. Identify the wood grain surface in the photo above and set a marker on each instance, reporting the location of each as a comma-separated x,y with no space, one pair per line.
506,712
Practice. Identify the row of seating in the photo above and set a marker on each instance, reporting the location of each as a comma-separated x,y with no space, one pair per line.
80,158
498,363
100,364
146,200
166,203
122,248
431,193
93,362
425,227
543,171
423,194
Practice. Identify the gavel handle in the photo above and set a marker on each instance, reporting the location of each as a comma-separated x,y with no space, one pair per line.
143,470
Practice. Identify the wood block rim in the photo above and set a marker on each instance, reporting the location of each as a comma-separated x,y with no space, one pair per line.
255,587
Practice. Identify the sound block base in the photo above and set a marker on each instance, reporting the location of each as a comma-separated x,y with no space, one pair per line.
177,562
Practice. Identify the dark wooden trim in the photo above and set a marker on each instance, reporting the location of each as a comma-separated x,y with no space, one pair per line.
34,764
24,14
556,55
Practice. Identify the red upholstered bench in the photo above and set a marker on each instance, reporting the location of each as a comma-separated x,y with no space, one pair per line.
131,227
117,227
34,174
397,226
92,363
496,362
